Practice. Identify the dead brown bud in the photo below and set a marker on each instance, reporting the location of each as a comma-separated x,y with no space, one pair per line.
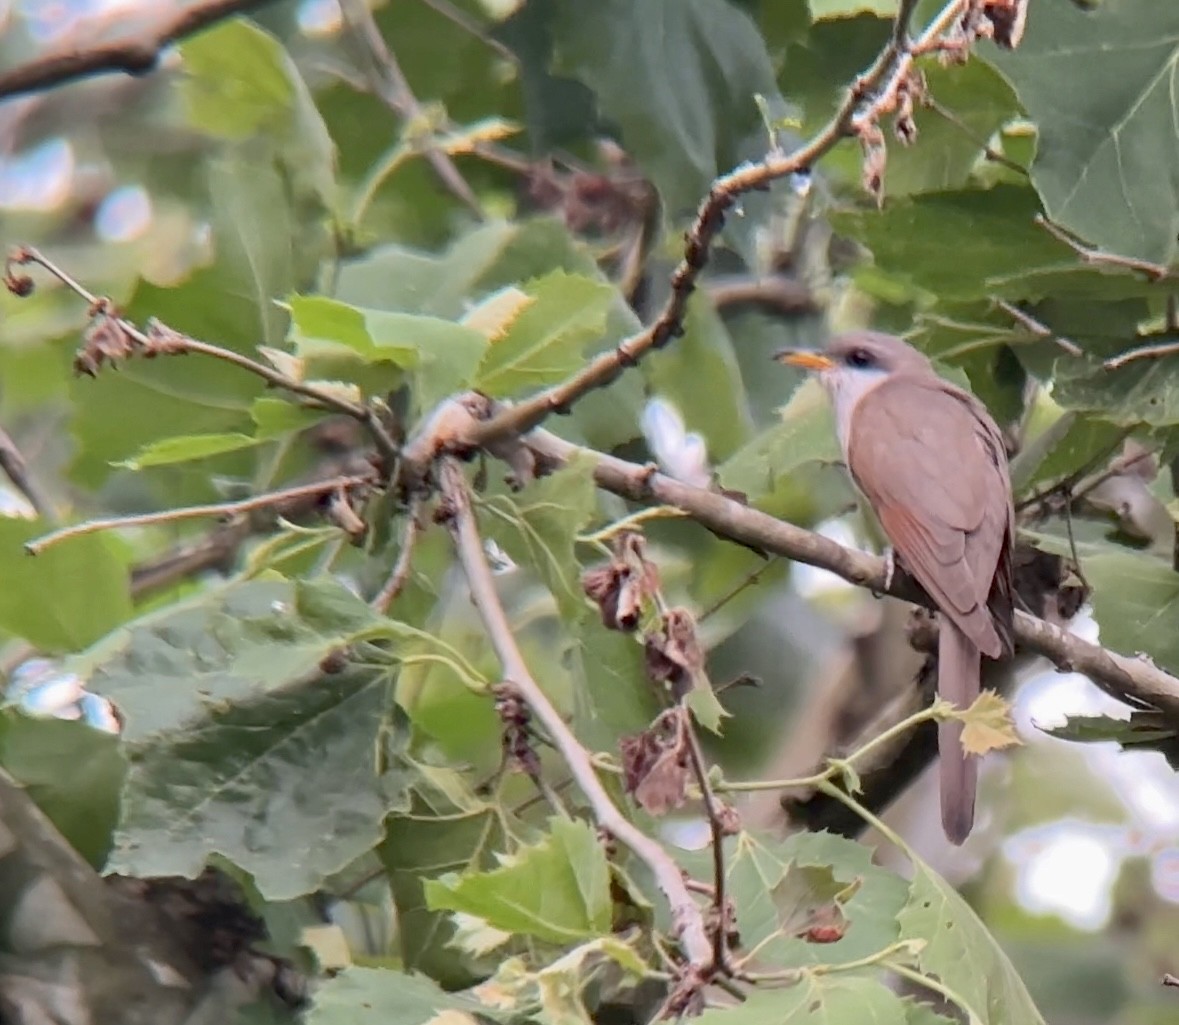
657,764
674,655
105,340
621,587
513,712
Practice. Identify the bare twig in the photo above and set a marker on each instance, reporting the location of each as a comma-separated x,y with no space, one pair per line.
245,505
712,813
1156,351
16,470
399,575
134,56
1037,327
689,922
391,85
1136,680
163,340
872,94
1093,255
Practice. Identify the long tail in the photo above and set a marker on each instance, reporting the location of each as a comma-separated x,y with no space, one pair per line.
959,665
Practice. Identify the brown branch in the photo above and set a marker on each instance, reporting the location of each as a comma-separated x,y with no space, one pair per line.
1156,351
1137,680
245,505
1037,327
17,471
136,56
391,85
689,923
1098,257
399,575
776,293
880,82
712,812
160,339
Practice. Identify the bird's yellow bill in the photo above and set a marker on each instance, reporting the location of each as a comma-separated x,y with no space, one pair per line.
804,358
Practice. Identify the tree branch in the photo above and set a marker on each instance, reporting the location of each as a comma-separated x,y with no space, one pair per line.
17,471
880,83
130,56
1136,680
689,922
266,501
122,337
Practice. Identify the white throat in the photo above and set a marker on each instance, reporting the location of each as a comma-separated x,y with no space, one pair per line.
846,386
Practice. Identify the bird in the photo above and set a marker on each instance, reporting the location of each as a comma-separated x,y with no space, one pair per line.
932,465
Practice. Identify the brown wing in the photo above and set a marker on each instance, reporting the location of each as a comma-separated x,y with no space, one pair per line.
931,462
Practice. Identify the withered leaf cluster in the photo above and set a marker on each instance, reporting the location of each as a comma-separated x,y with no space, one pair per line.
657,763
624,584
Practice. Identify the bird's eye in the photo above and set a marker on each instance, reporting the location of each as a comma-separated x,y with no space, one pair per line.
859,358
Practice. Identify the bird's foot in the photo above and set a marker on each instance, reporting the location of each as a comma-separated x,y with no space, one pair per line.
890,569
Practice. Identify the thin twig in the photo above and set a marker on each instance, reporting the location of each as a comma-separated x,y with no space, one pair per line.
16,470
1093,255
1155,351
166,340
689,923
880,82
134,56
1137,680
391,85
1038,327
192,512
720,956
468,24
399,575
988,151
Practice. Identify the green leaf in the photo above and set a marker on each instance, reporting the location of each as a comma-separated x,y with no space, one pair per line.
495,255
821,9
816,1000
235,81
1098,81
421,844
544,342
1149,731
185,449
443,355
960,952
537,527
805,435
557,890
383,996
1072,442
273,417
44,598
613,695
678,77
775,885
973,102
1144,391
241,745
73,773
1135,596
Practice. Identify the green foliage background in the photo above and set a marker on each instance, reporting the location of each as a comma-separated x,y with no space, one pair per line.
293,210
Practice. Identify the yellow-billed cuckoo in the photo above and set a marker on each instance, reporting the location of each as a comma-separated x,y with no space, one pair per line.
932,465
